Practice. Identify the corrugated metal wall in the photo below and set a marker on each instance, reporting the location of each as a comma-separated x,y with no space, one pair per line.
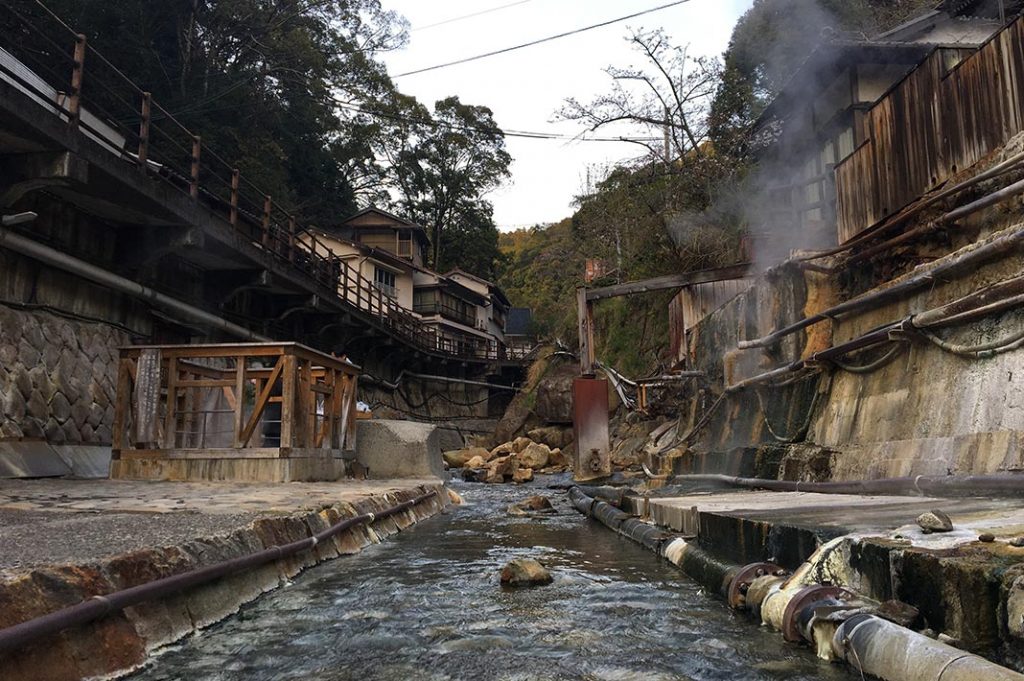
933,124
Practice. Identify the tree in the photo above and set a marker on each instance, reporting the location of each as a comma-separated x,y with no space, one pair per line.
471,242
259,79
443,163
669,99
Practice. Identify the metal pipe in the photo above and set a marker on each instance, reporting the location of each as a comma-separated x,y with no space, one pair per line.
987,201
430,377
98,606
1009,483
888,651
996,170
970,259
53,257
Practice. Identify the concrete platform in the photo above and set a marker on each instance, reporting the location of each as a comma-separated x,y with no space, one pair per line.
64,541
840,514
56,521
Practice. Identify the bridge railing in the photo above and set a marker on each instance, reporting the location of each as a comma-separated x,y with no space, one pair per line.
48,61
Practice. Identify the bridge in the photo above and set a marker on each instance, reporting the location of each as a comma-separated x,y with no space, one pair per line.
162,218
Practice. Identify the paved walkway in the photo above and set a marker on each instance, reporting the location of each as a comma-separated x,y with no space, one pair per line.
53,521
847,513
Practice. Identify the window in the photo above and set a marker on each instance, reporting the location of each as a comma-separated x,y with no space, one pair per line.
405,244
384,280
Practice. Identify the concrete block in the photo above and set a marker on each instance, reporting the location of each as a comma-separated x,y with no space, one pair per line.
399,449
30,460
84,461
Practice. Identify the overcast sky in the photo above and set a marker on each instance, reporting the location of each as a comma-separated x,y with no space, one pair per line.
524,88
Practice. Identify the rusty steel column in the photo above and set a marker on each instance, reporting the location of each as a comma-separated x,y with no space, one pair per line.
590,427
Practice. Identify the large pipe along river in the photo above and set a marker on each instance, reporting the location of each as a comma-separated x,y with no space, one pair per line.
426,604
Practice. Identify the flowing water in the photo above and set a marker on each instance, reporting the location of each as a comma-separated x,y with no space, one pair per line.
426,604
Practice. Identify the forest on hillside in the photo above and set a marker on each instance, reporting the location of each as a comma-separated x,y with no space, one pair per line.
673,208
294,94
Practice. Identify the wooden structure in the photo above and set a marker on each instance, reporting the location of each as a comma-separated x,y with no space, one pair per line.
946,115
244,412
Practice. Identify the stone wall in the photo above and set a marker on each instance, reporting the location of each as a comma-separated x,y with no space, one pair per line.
58,377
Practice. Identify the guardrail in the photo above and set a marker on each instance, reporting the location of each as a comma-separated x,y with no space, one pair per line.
57,68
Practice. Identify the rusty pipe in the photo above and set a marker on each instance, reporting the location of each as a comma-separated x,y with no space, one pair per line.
888,651
954,266
101,605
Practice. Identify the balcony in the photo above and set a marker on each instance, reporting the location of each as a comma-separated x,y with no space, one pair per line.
447,311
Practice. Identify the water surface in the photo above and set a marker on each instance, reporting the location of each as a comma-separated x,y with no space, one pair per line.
426,604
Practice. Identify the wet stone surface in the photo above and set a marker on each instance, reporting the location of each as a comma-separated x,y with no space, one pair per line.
426,604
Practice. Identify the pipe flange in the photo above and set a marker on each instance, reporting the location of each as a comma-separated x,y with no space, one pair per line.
737,592
804,597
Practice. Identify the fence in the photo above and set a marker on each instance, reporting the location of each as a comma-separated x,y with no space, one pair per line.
57,68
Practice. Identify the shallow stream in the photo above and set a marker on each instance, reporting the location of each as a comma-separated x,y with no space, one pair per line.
426,604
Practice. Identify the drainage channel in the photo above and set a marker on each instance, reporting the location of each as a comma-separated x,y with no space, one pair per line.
427,605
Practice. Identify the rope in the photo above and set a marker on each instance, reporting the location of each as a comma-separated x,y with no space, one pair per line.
801,432
889,356
981,351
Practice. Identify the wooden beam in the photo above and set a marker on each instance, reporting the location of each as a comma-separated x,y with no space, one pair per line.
669,281
170,417
239,399
585,318
261,402
288,401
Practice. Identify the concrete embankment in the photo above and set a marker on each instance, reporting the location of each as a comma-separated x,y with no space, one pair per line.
832,571
66,542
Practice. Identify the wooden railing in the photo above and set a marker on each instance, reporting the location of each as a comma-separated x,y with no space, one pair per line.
247,399
57,68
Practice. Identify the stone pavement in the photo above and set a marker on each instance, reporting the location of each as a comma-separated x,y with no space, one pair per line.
55,521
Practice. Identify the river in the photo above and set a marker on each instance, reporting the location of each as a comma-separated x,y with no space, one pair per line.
426,604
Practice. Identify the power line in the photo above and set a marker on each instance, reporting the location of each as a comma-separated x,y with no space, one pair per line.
541,40
469,16
526,134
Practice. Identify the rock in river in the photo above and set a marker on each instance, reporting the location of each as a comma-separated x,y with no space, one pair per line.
535,456
458,458
935,521
525,572
530,505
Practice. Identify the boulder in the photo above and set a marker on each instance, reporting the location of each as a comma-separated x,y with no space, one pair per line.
557,459
935,521
520,475
520,443
493,476
554,437
458,458
554,394
626,453
525,572
518,418
535,456
476,462
531,506
502,450
536,503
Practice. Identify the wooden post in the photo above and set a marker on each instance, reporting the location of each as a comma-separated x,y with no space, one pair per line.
235,177
170,415
193,188
267,205
288,402
77,73
585,315
147,104
239,400
291,238
123,400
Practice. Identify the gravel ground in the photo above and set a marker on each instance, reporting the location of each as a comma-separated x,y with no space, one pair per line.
30,539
